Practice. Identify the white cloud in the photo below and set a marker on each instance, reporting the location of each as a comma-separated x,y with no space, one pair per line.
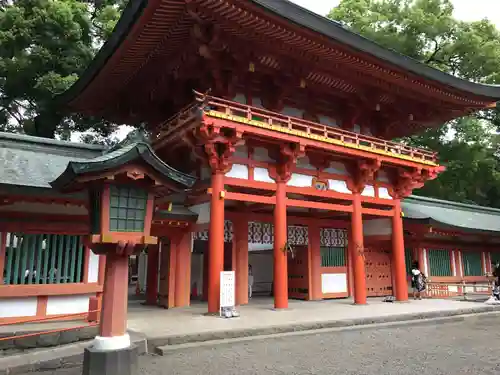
467,10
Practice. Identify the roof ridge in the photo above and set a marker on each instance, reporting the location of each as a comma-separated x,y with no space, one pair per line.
15,137
453,203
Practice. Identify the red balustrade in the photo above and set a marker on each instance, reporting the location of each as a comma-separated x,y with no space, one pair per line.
253,116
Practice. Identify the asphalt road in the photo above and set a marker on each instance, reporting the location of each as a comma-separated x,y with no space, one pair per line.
469,347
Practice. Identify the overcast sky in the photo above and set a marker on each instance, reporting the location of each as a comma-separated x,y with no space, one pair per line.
467,10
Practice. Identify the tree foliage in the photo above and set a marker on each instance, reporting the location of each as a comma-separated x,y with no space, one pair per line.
44,46
427,31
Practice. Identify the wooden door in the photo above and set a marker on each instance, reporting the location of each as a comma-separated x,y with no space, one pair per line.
298,274
378,272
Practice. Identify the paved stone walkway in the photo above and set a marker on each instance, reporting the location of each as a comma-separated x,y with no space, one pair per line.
464,348
155,322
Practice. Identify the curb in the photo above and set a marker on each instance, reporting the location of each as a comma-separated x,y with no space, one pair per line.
155,343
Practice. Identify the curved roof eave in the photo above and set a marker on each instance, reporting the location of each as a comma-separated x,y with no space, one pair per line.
130,14
302,17
336,31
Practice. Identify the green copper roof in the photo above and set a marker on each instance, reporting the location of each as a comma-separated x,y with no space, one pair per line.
451,214
134,148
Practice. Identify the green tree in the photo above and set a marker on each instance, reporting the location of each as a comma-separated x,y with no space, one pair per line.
427,31
44,46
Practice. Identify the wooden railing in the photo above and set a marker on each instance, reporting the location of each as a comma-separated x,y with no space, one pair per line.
460,289
249,115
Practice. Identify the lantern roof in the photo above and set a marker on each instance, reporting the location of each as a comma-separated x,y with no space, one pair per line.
134,149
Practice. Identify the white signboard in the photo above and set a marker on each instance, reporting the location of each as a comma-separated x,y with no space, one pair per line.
333,283
227,289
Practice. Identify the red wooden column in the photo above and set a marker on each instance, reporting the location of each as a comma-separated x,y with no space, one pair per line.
113,328
357,251
280,256
152,276
215,242
315,262
398,254
183,269
240,227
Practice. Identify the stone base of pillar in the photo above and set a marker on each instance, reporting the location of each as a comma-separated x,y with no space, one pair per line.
110,362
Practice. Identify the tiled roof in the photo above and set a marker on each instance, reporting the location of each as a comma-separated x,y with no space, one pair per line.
33,161
452,214
135,147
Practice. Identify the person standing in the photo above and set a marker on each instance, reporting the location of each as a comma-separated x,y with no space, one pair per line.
250,281
418,281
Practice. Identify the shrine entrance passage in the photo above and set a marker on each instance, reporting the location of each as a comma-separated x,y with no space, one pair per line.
378,272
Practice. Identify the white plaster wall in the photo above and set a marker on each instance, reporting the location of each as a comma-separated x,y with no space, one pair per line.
300,180
368,191
238,171
12,307
93,268
339,186
203,211
377,227
262,174
68,304
383,193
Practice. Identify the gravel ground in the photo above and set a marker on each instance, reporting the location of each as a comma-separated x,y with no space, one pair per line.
469,347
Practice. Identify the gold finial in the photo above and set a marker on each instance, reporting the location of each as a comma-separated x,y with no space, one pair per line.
251,67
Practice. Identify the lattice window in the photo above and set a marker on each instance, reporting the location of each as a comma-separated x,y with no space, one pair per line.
127,209
43,259
330,237
440,263
333,256
472,263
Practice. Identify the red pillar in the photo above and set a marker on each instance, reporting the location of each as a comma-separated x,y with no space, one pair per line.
357,249
315,262
152,276
398,254
215,242
280,257
183,269
240,227
115,296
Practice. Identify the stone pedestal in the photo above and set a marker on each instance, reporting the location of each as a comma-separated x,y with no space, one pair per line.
110,362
